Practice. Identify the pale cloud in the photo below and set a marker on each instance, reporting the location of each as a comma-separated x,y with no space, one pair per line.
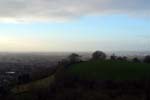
63,10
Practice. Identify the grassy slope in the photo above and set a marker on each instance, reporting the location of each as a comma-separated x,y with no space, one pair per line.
110,70
95,70
36,85
89,70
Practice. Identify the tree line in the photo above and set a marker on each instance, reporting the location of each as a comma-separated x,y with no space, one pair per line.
100,55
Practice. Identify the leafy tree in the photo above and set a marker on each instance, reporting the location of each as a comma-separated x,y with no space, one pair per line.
98,55
135,59
122,58
147,59
73,58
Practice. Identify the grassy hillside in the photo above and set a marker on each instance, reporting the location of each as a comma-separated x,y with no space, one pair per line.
110,70
94,70
60,86
36,85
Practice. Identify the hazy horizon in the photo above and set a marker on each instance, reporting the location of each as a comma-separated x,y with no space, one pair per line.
85,53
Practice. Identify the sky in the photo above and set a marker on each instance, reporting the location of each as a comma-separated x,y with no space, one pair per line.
74,25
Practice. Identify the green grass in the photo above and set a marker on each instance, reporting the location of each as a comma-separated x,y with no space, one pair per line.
110,70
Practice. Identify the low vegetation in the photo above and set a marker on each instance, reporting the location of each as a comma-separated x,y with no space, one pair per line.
110,70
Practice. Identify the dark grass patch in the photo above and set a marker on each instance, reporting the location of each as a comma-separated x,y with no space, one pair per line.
110,70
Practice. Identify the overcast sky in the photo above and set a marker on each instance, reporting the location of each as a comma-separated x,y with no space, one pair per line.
74,25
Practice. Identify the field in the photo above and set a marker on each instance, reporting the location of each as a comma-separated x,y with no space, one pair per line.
110,70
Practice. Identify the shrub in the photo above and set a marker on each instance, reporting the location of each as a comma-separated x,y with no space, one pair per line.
113,57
